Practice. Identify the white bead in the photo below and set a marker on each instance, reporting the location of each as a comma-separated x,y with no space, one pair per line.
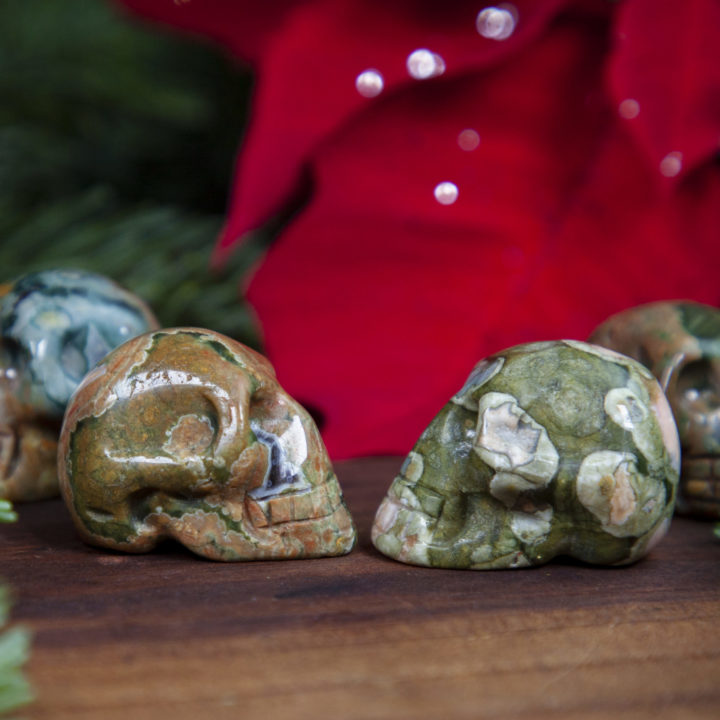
496,23
629,109
423,63
369,83
446,193
671,164
468,139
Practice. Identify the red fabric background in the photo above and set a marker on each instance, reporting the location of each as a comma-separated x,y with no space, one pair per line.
376,300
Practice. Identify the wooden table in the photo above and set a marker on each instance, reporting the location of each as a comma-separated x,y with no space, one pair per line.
168,635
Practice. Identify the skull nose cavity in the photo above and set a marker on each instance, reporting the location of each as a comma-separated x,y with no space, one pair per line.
286,454
72,353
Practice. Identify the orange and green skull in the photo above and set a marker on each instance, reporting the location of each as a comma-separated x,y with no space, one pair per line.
186,434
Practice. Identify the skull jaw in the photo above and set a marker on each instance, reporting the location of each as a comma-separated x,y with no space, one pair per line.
28,462
311,524
497,538
699,490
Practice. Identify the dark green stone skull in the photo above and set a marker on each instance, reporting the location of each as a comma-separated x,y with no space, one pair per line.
558,448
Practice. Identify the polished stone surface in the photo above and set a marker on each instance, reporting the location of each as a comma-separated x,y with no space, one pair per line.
680,343
557,448
56,325
186,434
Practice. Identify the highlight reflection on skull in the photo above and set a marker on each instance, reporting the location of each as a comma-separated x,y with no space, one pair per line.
56,325
680,343
186,434
558,448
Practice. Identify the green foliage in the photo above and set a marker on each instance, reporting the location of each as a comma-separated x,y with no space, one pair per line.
116,149
14,645
7,514
14,649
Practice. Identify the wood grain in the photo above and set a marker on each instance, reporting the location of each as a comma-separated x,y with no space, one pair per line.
170,635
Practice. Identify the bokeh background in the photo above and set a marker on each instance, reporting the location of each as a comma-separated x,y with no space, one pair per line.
591,184
116,150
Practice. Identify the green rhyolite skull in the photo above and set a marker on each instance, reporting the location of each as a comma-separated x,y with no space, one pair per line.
186,434
558,448
680,343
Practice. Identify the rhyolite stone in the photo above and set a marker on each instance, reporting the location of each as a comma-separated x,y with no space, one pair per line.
679,341
557,448
56,325
186,434
28,446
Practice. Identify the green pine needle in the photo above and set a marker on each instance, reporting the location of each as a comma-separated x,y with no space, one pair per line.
14,650
116,150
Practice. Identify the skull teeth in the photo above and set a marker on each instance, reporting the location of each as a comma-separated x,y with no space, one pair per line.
701,467
700,485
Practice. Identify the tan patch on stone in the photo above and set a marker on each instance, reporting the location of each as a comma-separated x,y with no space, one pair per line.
190,436
622,498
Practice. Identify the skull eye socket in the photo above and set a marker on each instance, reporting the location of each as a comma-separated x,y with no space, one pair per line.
72,353
699,382
12,354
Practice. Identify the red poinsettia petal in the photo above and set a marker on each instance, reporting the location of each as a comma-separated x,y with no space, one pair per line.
665,78
625,242
306,87
377,300
242,26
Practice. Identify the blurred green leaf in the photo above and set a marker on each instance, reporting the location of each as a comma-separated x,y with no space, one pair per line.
14,651
7,514
116,152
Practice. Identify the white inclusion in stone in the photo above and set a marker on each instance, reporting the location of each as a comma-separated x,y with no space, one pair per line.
286,454
671,164
468,140
446,193
629,109
496,23
423,64
369,83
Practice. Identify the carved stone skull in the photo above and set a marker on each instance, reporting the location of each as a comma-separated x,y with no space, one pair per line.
558,448
186,434
56,325
680,343
28,448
